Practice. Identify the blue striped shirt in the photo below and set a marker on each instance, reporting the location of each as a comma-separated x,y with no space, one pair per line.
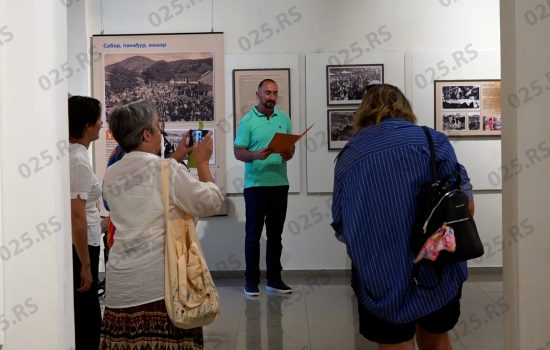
377,180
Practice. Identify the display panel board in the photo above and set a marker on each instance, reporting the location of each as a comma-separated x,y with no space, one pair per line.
182,74
467,107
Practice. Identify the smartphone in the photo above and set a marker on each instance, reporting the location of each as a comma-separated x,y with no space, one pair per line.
196,136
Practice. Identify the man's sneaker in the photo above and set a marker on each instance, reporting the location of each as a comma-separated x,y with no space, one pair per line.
251,290
278,287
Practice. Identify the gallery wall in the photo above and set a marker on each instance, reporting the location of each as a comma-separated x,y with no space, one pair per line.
409,37
35,227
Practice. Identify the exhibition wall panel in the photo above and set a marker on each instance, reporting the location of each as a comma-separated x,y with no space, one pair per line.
308,239
320,161
482,161
235,168
481,155
488,217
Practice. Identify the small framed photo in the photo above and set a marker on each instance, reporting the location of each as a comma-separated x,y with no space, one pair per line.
345,83
340,127
245,85
467,107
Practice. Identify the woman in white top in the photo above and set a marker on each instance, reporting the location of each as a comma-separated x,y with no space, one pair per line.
135,314
84,125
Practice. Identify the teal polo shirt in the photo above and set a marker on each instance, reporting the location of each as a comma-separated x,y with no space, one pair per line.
254,133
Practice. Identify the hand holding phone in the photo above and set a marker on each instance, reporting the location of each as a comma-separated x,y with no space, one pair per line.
196,136
202,151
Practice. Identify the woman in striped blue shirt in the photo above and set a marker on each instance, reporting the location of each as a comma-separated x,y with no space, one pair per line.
377,180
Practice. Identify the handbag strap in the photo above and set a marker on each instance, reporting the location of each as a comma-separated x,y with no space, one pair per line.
435,177
432,152
433,165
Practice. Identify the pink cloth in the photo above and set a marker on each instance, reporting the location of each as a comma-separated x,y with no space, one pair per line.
442,239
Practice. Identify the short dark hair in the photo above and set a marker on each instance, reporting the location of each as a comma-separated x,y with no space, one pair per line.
265,81
83,111
128,122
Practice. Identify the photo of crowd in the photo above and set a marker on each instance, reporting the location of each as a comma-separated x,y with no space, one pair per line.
460,97
179,85
345,83
340,126
454,121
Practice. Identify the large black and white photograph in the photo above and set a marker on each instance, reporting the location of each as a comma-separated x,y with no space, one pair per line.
179,84
454,121
345,83
460,97
467,107
340,127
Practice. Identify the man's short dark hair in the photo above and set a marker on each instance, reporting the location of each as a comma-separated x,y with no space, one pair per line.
265,81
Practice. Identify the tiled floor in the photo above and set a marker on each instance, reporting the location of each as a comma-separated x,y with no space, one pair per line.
321,315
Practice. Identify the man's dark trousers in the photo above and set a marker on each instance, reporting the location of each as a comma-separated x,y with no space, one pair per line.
264,204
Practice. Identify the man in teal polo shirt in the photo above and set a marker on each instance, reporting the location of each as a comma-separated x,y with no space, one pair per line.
265,187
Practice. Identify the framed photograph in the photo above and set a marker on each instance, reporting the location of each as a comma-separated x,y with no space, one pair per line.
340,127
345,83
467,107
245,85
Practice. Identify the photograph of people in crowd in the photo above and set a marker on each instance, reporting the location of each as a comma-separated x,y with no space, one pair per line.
454,121
460,97
180,85
340,126
345,83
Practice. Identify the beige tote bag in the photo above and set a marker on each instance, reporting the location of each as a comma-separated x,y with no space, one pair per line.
189,292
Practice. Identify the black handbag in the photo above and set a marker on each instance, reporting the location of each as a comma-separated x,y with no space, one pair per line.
442,202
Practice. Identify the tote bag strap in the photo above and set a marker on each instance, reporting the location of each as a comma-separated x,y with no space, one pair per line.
165,187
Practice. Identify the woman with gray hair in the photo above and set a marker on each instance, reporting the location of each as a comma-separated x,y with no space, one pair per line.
135,314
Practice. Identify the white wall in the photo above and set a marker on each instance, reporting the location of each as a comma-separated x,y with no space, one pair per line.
525,144
305,27
36,250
